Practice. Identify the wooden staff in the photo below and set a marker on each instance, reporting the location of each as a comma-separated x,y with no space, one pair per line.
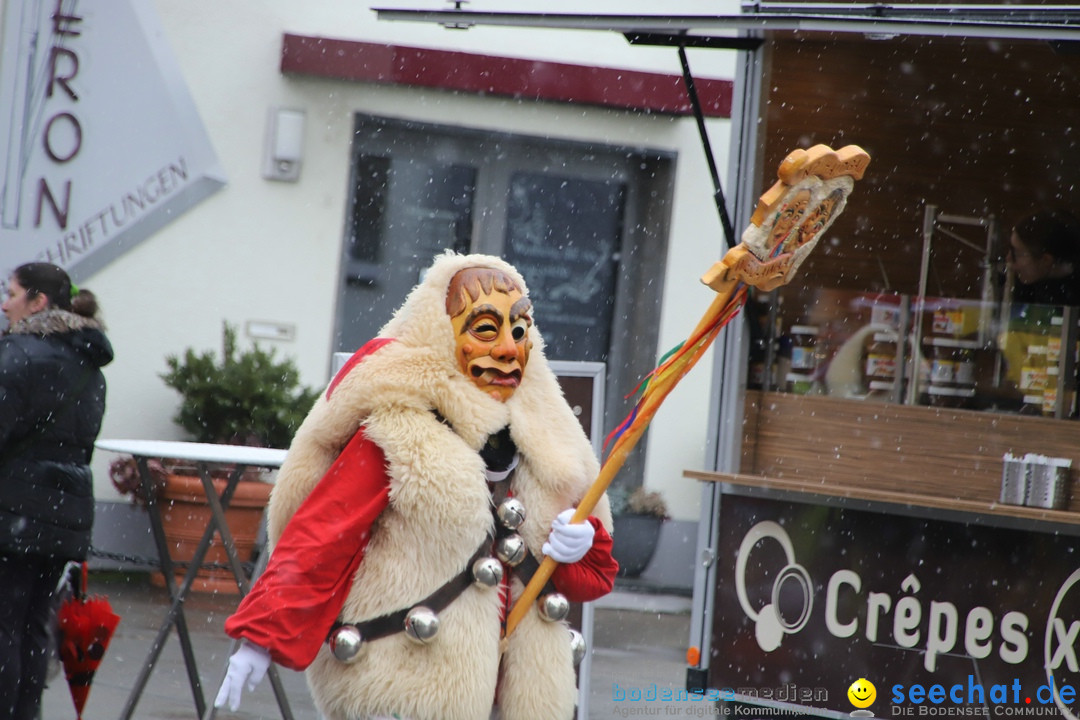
789,220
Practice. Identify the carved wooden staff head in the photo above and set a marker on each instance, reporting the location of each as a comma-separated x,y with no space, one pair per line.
791,217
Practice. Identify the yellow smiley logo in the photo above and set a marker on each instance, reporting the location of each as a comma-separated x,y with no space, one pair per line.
862,693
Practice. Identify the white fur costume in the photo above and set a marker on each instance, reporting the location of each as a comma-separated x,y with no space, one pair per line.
439,512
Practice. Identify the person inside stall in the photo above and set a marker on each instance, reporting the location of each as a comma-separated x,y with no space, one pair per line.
1043,255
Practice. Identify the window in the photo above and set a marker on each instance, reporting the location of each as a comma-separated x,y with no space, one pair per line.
576,219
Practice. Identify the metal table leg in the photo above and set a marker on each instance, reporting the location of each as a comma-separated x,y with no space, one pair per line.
244,585
175,615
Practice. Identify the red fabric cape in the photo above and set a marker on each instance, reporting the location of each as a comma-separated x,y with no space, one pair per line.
299,596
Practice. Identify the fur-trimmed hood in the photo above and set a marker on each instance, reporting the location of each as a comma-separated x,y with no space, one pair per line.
85,335
418,372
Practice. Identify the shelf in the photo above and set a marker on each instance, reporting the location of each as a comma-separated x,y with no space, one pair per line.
916,500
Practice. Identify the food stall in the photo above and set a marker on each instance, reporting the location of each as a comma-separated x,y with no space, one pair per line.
890,502
893,499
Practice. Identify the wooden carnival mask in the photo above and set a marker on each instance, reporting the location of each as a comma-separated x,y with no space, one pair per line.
491,319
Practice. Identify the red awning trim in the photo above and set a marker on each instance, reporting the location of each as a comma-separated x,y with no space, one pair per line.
502,76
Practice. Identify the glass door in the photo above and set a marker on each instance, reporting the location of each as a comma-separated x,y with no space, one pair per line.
576,219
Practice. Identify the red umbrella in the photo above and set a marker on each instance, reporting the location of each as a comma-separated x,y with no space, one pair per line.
86,626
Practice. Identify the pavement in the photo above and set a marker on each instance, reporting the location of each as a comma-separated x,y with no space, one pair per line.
639,644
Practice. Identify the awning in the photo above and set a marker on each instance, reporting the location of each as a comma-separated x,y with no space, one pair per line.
1018,22
1057,24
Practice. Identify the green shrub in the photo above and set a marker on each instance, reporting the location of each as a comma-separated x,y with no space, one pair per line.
249,398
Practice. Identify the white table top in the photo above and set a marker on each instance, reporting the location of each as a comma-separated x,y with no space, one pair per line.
199,452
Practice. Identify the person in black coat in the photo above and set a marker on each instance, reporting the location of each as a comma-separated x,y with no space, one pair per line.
52,398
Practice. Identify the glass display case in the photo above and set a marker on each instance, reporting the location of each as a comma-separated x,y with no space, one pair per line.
940,352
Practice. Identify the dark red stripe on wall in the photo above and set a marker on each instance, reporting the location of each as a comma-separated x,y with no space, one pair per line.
503,76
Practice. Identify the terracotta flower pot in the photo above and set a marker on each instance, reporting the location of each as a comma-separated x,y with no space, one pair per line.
185,514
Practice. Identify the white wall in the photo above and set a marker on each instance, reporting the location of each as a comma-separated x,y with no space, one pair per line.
262,250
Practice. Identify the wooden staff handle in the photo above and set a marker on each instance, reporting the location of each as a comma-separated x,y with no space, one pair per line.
607,473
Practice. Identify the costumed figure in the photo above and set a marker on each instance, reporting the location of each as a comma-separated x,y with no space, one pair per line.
415,501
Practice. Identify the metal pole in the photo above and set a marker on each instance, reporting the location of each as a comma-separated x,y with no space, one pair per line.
718,190
920,303
1066,380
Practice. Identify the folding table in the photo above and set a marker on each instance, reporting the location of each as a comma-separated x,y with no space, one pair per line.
205,455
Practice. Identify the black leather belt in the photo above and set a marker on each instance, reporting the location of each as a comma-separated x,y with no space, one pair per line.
525,571
386,625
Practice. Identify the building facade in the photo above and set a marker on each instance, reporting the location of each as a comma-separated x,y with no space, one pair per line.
336,154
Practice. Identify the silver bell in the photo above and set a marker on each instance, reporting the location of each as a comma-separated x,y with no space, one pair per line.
553,607
511,549
577,646
487,571
345,643
511,512
421,625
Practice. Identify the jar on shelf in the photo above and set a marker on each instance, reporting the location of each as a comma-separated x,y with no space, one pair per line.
881,360
948,322
803,348
952,372
800,376
799,383
965,365
1053,358
1033,378
1053,341
1050,392
885,314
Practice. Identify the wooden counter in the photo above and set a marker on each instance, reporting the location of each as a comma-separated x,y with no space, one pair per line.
913,500
894,452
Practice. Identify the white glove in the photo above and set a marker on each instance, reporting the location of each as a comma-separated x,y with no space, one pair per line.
568,543
248,664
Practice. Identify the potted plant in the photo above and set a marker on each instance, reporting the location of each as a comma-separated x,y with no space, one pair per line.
637,516
248,397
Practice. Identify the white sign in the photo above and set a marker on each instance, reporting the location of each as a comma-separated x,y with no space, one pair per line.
100,143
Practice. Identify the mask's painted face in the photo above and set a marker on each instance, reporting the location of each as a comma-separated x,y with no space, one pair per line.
491,327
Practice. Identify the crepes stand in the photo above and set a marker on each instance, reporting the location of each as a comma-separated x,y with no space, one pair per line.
860,517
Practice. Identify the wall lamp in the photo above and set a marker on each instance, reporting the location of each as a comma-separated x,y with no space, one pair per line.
284,147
